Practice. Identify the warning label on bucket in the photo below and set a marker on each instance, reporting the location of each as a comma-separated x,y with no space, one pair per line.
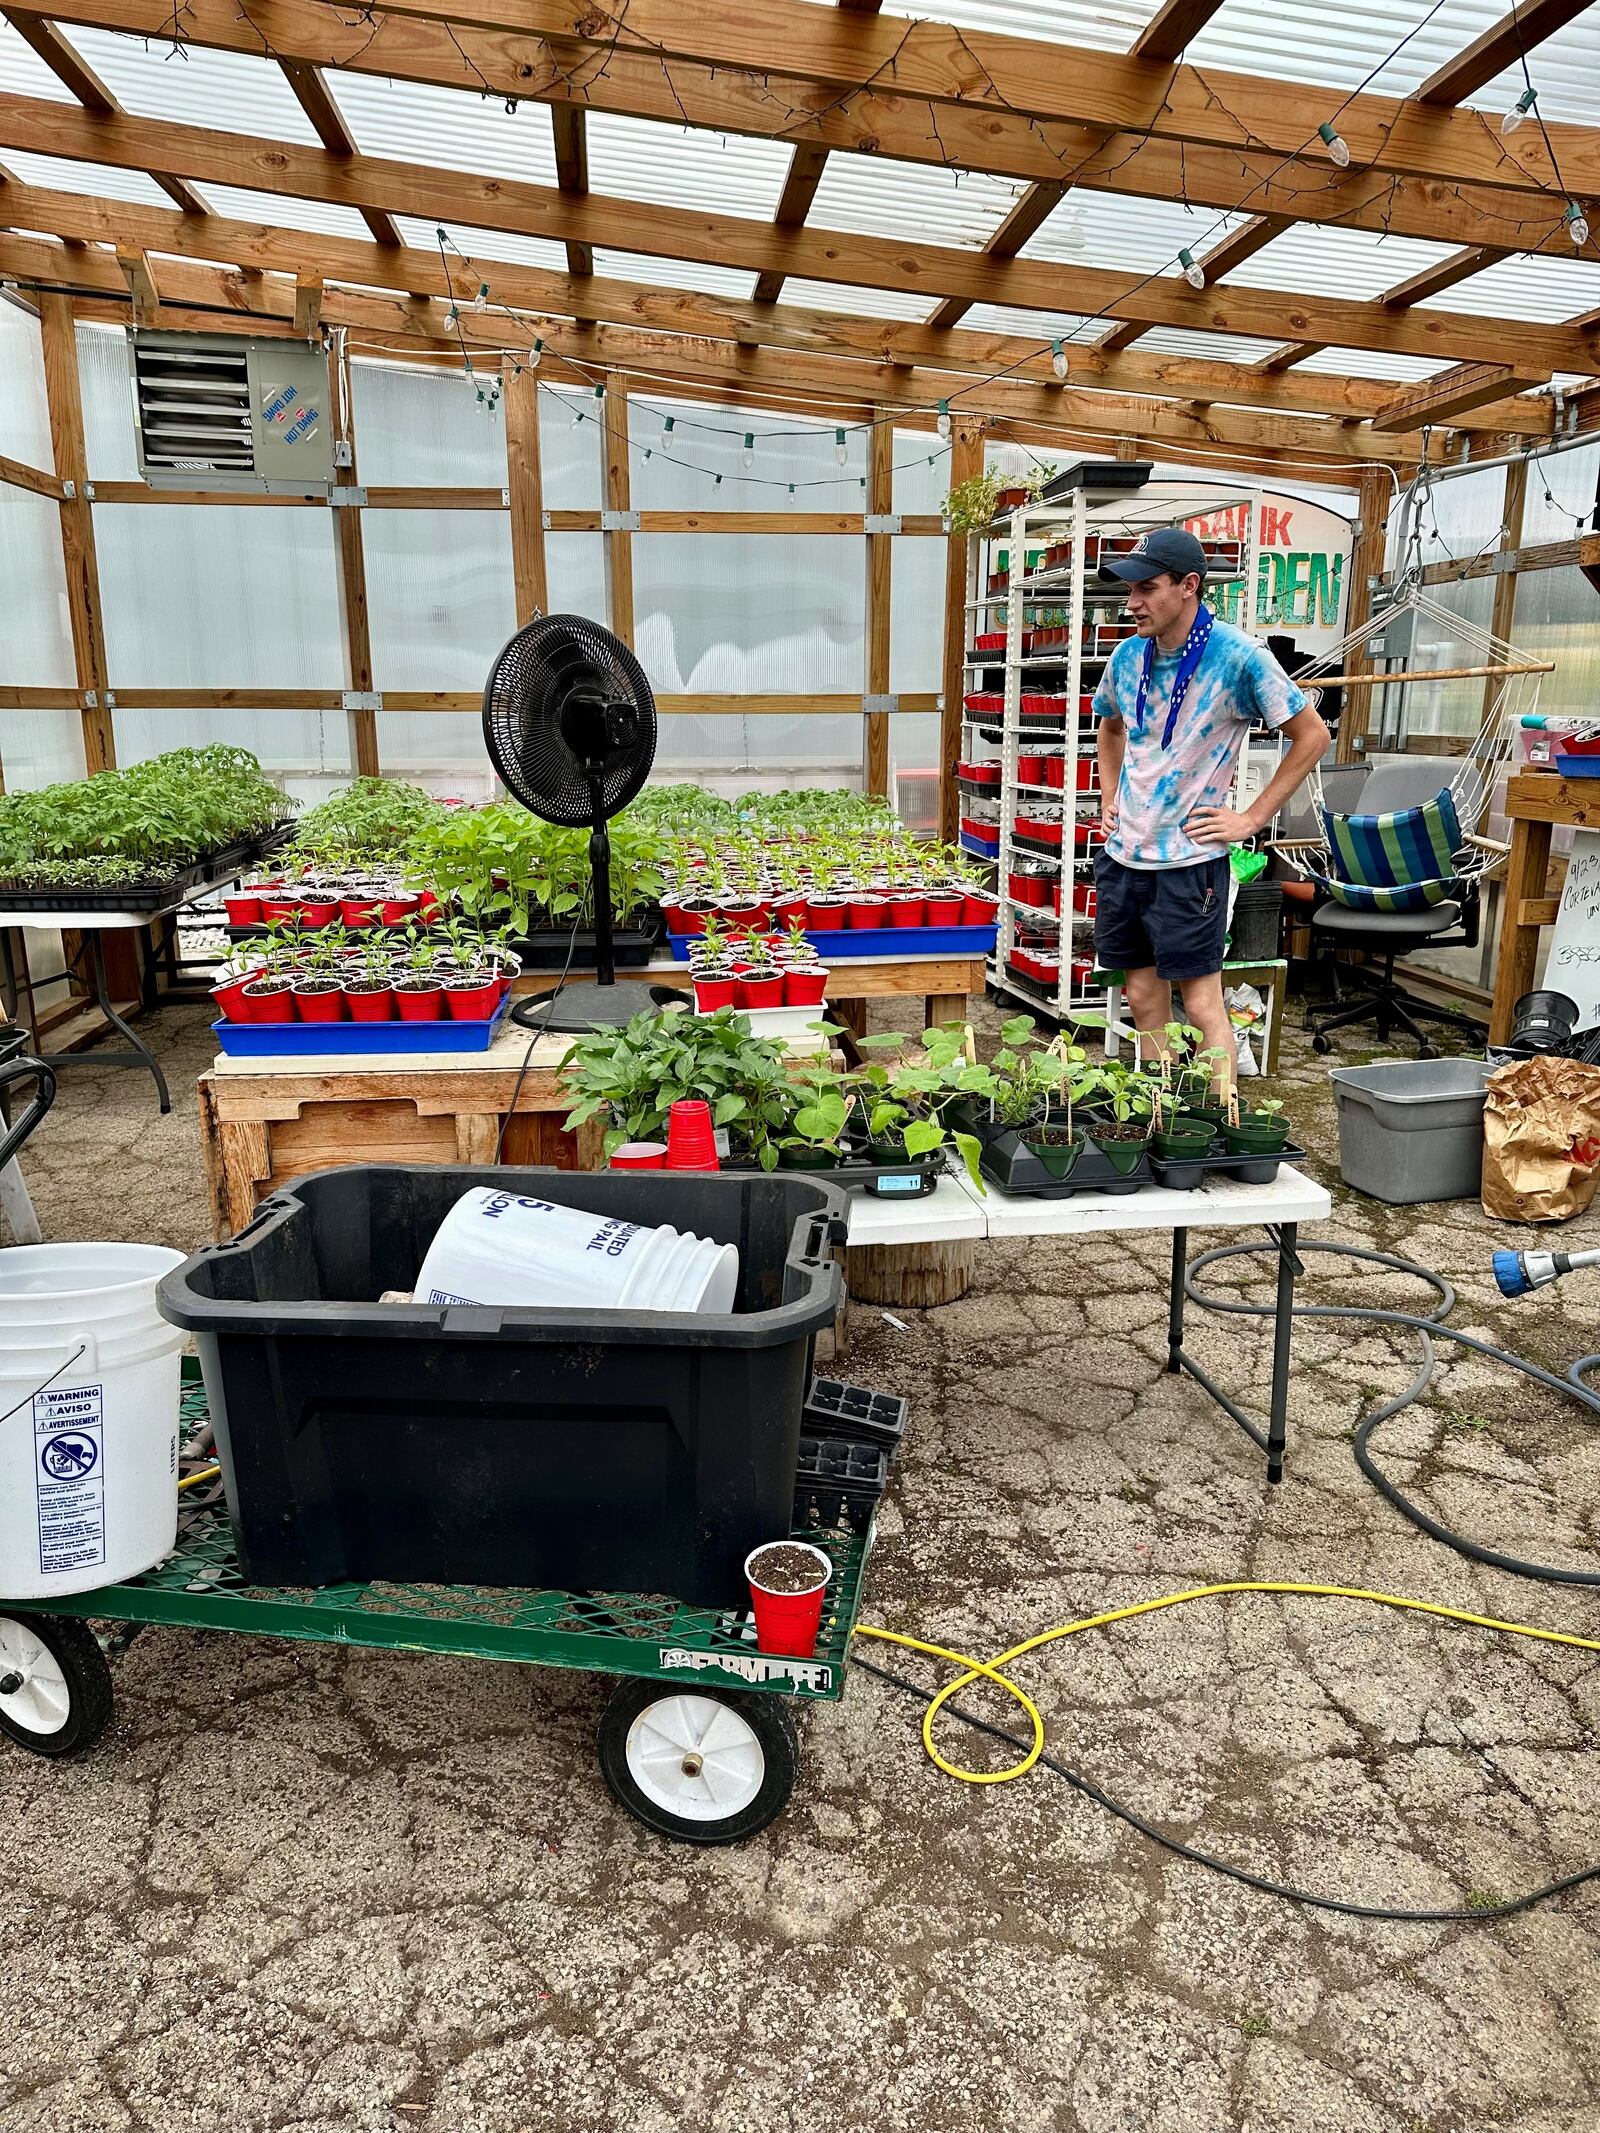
69,1478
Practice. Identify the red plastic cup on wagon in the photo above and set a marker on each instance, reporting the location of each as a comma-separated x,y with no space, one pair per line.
691,1138
787,1619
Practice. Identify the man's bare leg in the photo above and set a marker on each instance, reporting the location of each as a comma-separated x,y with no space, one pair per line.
1203,1005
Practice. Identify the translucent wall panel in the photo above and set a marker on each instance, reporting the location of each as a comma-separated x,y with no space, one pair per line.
424,428
1558,617
735,751
575,565
218,596
777,615
24,415
680,474
107,404
36,638
921,471
306,751
442,750
916,613
439,596
569,450
1438,706
40,748
1561,499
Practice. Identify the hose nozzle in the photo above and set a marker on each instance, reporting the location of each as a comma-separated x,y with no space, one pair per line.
1516,1273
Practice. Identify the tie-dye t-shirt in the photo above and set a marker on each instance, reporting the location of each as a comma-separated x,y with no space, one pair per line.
1237,683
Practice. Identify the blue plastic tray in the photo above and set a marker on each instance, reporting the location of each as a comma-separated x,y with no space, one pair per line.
841,946
1578,766
981,847
322,1040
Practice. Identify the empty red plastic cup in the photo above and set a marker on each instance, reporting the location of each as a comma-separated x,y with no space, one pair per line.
639,1155
788,1622
691,1138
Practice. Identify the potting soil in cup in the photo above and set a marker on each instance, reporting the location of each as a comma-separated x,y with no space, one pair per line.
506,1248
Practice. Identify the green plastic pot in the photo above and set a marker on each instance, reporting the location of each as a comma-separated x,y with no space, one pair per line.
808,1159
1182,1147
1264,1137
1123,1156
1057,1158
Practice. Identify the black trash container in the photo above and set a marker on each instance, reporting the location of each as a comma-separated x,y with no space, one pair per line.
464,1444
1257,924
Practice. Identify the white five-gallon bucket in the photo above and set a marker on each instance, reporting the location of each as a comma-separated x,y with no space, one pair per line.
88,1416
503,1248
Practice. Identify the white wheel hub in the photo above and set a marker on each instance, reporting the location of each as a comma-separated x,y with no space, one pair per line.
42,1702
695,1757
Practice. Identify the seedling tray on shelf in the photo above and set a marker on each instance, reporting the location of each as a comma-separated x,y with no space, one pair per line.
547,947
838,1483
834,1408
156,896
317,1040
849,941
980,847
1249,1169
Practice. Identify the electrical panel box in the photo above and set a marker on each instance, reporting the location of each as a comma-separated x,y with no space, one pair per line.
224,411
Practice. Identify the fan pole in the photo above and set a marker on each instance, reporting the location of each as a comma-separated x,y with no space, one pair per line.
600,868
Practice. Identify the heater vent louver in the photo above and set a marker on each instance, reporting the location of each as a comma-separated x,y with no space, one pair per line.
229,412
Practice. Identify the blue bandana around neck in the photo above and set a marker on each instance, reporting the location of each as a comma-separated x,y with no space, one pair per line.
1194,646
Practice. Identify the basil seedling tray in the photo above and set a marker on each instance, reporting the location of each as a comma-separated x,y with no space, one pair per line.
1249,1169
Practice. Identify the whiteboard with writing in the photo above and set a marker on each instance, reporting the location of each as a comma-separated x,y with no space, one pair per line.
1574,965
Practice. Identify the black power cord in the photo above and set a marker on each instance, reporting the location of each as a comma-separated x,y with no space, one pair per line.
525,1017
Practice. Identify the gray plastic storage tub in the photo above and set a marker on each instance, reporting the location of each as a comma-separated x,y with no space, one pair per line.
1412,1129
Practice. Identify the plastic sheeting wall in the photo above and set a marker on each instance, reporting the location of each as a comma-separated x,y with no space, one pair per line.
36,747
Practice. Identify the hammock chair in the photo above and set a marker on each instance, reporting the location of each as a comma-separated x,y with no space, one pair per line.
1409,858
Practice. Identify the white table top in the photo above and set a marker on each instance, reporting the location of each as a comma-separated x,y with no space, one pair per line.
1221,1203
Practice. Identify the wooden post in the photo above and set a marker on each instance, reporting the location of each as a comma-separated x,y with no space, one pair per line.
1503,614
1527,871
525,480
966,462
353,622
64,395
618,543
880,550
1366,562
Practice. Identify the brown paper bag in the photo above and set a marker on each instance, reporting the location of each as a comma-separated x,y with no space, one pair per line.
1541,1140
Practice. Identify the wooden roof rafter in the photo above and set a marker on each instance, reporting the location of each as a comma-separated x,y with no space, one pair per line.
327,120
1418,288
972,135
846,258
1252,236
1515,34
806,165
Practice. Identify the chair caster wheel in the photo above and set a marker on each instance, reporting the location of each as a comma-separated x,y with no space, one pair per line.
1319,1043
1427,1051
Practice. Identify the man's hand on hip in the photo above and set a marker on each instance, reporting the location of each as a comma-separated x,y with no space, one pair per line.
1219,825
1108,819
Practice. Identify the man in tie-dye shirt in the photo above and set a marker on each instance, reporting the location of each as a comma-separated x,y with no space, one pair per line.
1173,706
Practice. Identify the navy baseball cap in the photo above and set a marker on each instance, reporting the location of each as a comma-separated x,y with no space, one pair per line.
1167,548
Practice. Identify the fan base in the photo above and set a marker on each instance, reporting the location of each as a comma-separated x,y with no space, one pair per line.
577,1008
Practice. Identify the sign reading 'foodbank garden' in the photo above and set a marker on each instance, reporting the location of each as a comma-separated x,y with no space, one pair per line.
1303,563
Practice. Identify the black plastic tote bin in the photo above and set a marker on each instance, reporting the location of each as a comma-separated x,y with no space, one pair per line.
461,1444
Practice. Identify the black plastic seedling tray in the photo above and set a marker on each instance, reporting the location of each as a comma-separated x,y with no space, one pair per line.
151,896
1249,1169
550,947
835,1409
1008,1161
838,1483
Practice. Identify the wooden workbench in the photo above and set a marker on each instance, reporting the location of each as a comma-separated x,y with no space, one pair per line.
945,983
1536,802
265,1121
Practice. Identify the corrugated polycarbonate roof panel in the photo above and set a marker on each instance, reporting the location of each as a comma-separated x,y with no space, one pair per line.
24,73
878,196
476,244
323,217
862,303
1538,289
1122,234
675,273
415,122
1205,347
1373,363
1355,264
671,166
1111,26
195,87
1031,325
56,174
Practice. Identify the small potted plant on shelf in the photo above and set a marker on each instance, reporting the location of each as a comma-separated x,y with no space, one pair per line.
318,987
761,983
1260,1129
418,994
233,985
814,1139
369,988
1120,1126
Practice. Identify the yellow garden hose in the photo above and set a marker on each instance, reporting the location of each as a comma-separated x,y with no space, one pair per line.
191,1481
991,1670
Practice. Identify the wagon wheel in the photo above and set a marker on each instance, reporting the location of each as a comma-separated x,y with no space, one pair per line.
706,1765
55,1685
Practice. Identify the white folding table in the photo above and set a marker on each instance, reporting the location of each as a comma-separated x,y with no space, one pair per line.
956,1210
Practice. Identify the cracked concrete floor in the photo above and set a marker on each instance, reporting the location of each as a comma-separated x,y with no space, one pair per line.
322,1891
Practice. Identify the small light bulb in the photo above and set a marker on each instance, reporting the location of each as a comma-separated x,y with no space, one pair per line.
1577,224
534,354
600,392
841,451
1519,111
1337,146
717,482
1058,359
943,423
1193,273
791,488
669,422
577,417
747,458
481,301
647,451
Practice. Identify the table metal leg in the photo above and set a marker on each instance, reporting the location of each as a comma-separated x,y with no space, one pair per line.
139,1056
1282,1329
1180,1266
8,974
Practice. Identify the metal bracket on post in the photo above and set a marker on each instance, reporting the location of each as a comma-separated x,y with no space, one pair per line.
619,522
544,515
347,495
505,499
870,704
362,700
881,522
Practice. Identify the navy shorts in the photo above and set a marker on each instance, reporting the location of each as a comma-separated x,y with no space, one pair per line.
1175,918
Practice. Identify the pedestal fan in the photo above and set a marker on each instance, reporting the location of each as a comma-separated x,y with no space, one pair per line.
570,725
